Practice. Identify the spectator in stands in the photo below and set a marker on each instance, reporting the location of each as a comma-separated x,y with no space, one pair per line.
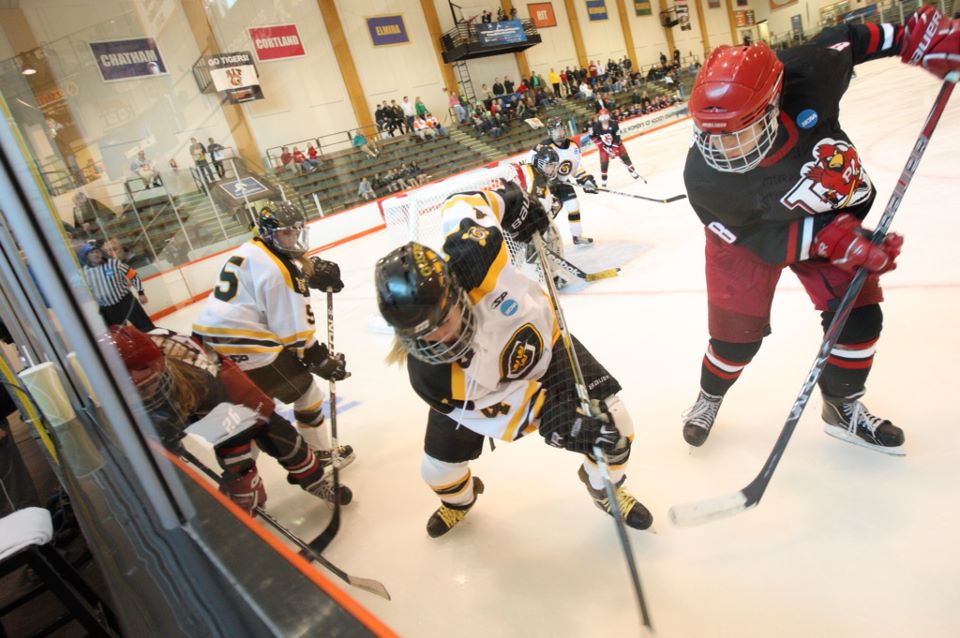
676,58
109,281
485,93
304,163
365,190
486,16
435,124
396,115
747,38
626,64
380,117
455,104
313,153
418,173
408,112
498,88
423,130
554,79
89,216
145,170
360,143
500,15
419,107
507,85
91,171
513,13
593,72
585,91
663,60
112,249
216,155
286,159
199,154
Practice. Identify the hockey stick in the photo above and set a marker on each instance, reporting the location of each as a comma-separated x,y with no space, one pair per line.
584,397
710,509
320,543
367,584
578,272
668,200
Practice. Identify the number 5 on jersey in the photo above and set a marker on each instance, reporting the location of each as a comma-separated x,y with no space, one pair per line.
227,287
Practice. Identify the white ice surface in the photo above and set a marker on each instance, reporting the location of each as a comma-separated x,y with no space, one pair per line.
846,542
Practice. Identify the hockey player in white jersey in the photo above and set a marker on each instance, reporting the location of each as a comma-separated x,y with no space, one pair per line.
566,173
482,348
259,315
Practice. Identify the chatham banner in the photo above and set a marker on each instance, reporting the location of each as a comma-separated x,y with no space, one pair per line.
128,59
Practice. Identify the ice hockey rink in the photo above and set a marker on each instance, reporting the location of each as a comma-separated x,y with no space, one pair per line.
846,542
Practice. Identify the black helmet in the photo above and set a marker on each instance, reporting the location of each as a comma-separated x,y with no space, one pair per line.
547,161
282,216
416,292
557,130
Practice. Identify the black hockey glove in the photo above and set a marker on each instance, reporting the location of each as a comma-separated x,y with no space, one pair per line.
326,274
319,361
588,184
586,432
532,219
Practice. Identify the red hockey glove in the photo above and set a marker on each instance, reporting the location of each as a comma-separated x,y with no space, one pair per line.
932,40
847,245
246,490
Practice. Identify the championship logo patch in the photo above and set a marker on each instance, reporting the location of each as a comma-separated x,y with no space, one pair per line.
833,180
522,352
807,118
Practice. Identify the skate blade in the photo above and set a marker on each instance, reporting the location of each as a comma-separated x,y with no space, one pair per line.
844,434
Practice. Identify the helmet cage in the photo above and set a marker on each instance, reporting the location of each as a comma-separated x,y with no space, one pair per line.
547,161
299,246
449,351
557,131
739,151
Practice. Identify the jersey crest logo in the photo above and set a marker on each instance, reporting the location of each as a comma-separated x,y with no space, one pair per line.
522,352
300,283
478,234
833,180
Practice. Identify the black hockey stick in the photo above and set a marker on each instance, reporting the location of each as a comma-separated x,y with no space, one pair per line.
584,396
367,584
579,272
710,509
320,543
668,200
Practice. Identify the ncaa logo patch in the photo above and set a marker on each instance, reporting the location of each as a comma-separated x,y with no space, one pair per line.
807,118
509,308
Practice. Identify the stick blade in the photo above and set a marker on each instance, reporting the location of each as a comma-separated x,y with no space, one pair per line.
675,198
372,586
711,509
602,274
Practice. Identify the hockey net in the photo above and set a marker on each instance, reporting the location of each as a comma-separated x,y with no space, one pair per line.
415,215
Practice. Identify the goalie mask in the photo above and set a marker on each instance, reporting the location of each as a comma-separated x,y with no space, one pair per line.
547,161
283,229
735,103
421,299
557,130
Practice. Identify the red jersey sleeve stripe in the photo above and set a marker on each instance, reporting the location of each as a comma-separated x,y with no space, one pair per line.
874,42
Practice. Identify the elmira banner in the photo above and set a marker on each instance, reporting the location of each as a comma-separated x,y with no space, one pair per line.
386,30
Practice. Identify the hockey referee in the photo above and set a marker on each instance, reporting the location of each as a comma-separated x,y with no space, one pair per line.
110,280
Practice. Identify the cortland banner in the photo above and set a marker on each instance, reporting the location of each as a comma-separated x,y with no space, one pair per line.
494,34
386,30
128,59
276,43
235,74
597,9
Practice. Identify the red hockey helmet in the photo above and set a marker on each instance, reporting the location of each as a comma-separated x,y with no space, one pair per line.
734,104
603,115
143,358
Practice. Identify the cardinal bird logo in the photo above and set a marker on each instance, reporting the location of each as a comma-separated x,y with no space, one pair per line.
833,180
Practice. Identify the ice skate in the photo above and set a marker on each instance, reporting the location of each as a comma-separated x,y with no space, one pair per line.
634,174
849,420
345,456
323,489
580,240
444,519
603,183
699,418
634,514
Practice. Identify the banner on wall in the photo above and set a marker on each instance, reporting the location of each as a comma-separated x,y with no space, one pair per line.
745,18
642,7
235,75
277,42
128,59
743,3
796,25
541,14
713,4
779,4
683,15
500,32
386,30
597,9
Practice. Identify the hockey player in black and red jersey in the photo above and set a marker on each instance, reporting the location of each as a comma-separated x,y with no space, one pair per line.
181,383
563,173
605,133
482,347
259,315
778,184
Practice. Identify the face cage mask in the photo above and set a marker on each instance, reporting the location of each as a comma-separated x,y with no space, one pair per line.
549,169
758,139
439,352
298,248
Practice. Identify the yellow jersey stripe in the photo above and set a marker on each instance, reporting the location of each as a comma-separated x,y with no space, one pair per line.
241,349
235,332
520,412
458,383
493,274
283,269
465,479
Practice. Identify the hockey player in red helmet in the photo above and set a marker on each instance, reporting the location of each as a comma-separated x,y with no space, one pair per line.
180,383
778,184
605,133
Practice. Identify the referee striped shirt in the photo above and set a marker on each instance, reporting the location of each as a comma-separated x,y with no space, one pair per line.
110,281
